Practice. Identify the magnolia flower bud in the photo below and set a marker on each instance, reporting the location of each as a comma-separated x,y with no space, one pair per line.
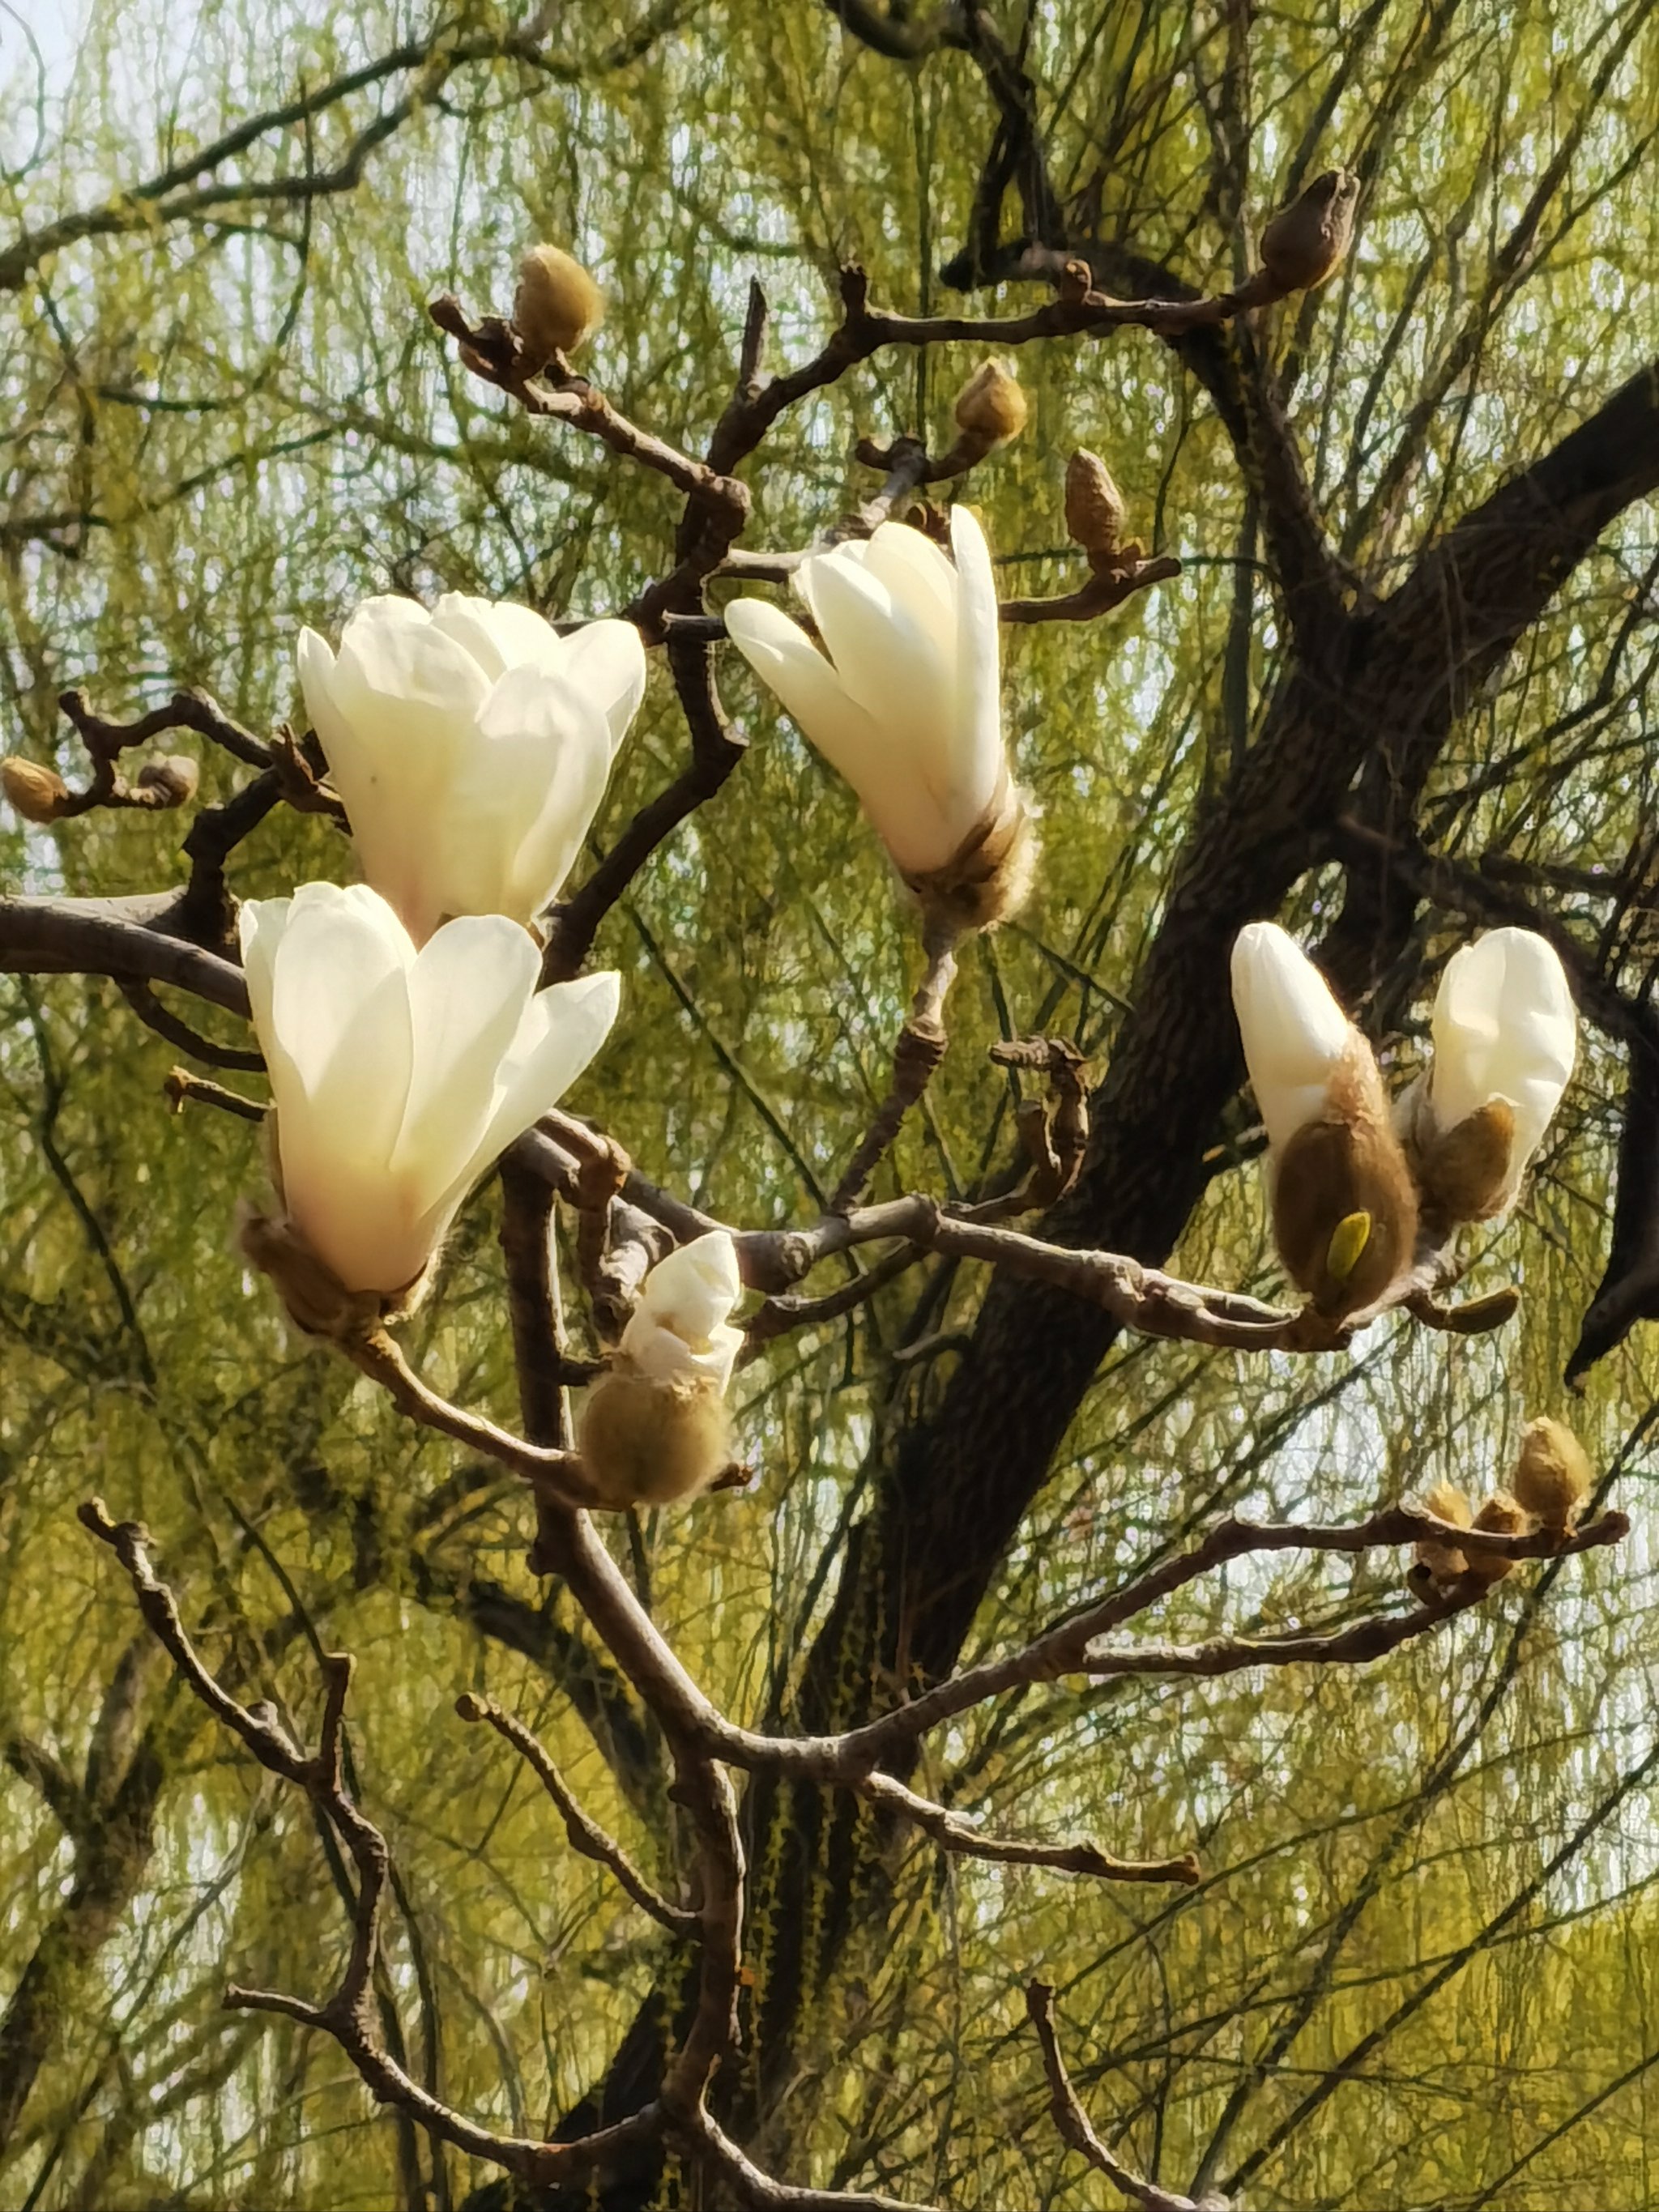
1436,1568
1304,244
655,1426
1095,512
39,794
1506,1037
1552,1477
906,706
471,747
175,778
1500,1515
397,1076
1344,1205
991,409
557,306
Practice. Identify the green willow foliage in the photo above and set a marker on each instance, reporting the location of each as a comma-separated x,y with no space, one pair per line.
1421,1959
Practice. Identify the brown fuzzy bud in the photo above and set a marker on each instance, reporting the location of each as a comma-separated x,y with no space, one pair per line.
1304,244
991,409
989,875
1552,1477
646,1440
1437,1568
1465,1176
557,306
1500,1515
1346,1163
1095,512
39,794
174,778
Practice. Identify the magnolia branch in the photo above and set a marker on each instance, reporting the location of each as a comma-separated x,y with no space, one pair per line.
349,2015
585,1834
1076,2129
954,1832
1073,1645
921,1048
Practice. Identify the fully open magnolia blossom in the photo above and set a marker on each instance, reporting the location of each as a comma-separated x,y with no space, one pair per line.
906,706
471,747
1505,1038
398,1076
1344,1205
655,1426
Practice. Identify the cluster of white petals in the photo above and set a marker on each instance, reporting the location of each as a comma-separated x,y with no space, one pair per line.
906,706
471,747
399,1074
1504,1029
679,1326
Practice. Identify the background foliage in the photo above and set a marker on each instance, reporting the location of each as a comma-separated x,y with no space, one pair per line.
1421,1964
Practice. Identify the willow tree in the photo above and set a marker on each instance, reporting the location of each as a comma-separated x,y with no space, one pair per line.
1073,1545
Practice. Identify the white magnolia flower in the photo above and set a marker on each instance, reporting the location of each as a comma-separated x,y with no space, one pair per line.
471,747
399,1076
1296,1035
906,706
1344,1205
679,1325
1504,1032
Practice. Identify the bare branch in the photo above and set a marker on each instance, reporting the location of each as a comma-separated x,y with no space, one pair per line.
350,2015
585,1834
178,1034
757,2192
1076,2129
954,1832
921,1048
554,1470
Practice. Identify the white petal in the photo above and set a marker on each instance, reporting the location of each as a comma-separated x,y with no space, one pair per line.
660,1354
980,754
397,707
468,993
1293,1030
920,576
1503,1027
392,653
562,1028
260,924
692,1291
521,797
605,661
498,635
340,1006
889,664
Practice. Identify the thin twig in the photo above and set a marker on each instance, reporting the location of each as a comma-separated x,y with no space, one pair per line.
1077,2131
179,1035
921,1048
955,1833
585,1834
349,2015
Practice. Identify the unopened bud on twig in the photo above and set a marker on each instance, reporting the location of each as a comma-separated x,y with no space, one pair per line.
655,1427
1095,512
1437,1568
1552,1477
175,778
1344,1205
1305,244
39,794
1501,1515
991,411
557,306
